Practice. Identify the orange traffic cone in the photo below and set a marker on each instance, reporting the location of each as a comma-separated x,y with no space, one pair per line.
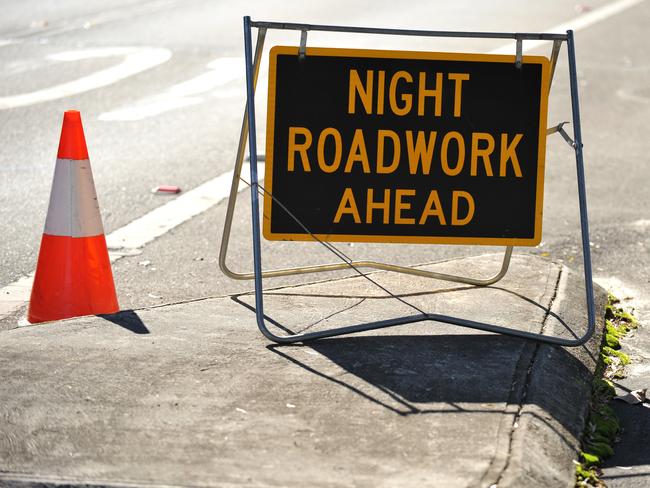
73,274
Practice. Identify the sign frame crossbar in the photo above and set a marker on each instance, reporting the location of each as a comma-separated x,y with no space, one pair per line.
249,129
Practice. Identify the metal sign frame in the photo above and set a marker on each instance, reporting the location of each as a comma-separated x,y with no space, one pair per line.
248,130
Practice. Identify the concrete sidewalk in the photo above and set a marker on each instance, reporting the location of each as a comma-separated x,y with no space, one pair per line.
193,395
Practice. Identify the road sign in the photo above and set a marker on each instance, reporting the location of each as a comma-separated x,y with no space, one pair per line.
412,147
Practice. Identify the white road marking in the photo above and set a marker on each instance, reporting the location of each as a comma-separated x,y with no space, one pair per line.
222,71
195,201
151,109
6,42
641,224
136,60
229,69
15,295
135,235
162,219
583,21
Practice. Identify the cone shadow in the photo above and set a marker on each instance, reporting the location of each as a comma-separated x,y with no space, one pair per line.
127,319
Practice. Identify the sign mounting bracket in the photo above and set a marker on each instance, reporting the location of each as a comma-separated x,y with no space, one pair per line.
302,50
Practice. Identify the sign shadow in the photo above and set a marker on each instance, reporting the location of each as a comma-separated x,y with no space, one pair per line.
441,374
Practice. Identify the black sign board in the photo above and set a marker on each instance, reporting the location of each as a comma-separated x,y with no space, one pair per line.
388,146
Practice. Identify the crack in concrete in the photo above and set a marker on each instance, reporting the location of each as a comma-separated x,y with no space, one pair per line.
333,314
529,355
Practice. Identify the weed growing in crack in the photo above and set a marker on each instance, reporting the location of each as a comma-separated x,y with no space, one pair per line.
602,424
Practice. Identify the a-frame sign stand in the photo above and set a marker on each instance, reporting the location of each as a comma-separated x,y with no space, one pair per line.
249,129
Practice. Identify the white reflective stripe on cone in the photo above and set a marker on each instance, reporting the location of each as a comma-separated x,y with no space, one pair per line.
73,209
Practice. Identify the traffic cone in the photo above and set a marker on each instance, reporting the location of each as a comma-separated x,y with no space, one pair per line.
73,274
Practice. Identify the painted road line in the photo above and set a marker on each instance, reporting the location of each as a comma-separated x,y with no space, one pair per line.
135,61
583,21
162,219
15,295
641,224
135,235
221,72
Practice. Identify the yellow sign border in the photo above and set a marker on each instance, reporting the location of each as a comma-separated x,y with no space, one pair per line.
436,56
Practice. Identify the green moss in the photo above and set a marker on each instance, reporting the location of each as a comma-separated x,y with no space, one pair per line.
609,352
612,341
606,427
617,331
589,459
602,423
600,449
603,388
587,476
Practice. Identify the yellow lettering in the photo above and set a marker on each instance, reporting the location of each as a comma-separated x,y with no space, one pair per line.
406,98
357,87
421,151
433,208
381,136
508,153
399,206
334,165
300,148
460,143
483,153
458,79
455,196
381,81
347,206
383,206
436,93
358,153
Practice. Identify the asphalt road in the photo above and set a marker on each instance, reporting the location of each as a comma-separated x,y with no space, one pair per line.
178,121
